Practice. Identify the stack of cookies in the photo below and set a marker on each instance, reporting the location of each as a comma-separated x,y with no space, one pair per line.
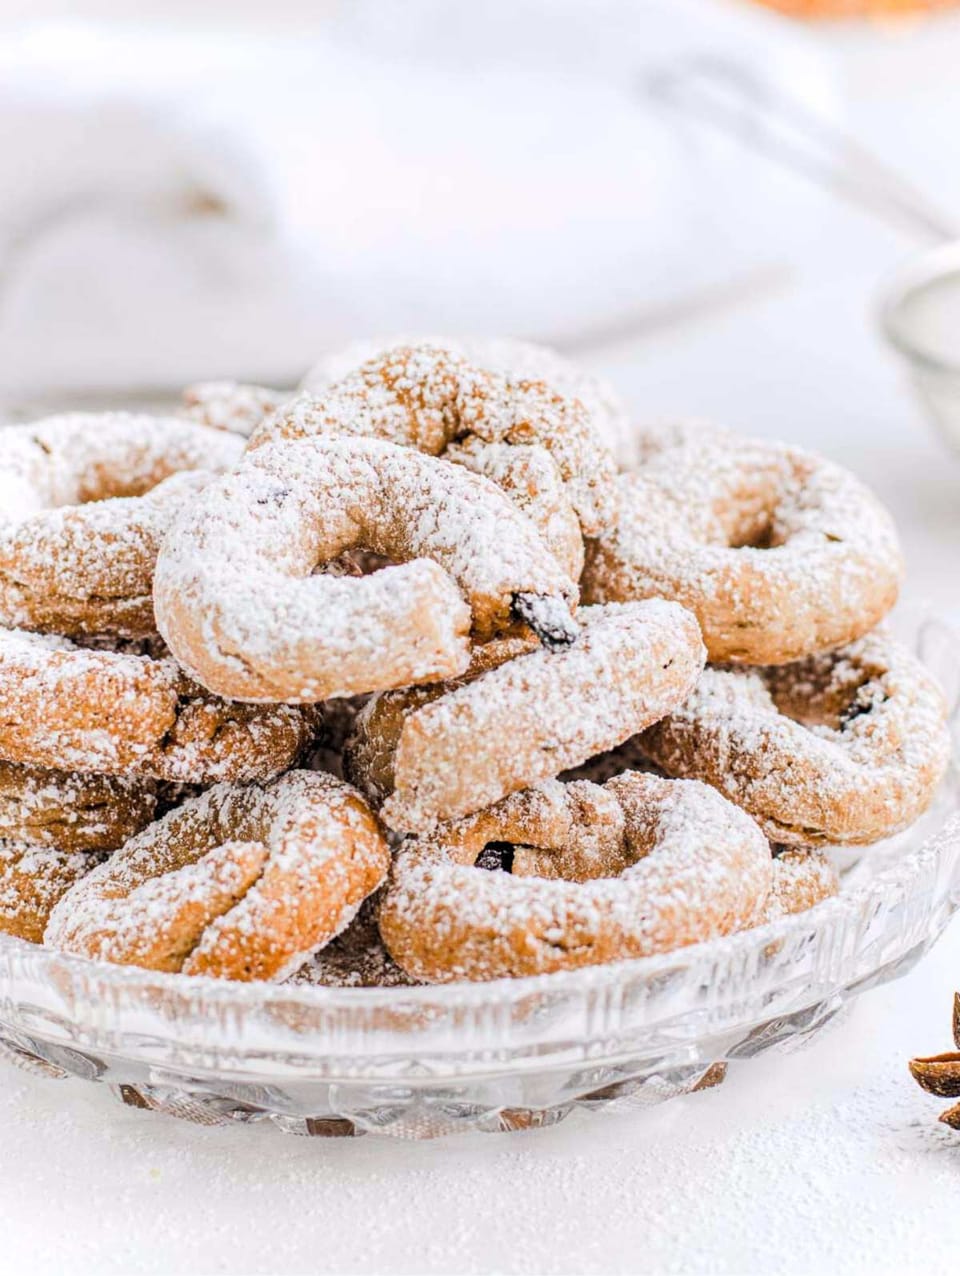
433,671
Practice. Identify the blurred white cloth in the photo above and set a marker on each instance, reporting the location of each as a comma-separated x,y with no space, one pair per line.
176,205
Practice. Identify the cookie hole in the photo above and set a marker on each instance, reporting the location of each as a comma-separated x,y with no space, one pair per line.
833,706
757,535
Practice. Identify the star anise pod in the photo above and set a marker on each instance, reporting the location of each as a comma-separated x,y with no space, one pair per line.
940,1073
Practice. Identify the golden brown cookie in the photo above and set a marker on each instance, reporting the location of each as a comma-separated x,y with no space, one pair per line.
240,601
579,874
85,500
802,877
842,748
529,477
507,356
64,706
230,405
428,397
779,553
33,879
239,883
70,810
439,752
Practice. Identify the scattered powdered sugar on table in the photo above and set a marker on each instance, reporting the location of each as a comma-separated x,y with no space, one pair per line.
828,1159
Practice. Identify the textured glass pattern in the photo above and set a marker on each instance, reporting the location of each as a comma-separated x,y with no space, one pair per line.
424,1062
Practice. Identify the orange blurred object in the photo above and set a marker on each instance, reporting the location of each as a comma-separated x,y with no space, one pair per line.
857,8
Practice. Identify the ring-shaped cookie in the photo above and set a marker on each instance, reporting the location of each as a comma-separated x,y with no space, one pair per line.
847,747
802,878
517,360
427,397
528,476
64,706
436,753
239,883
595,874
243,608
33,880
234,406
85,500
241,407
70,810
779,553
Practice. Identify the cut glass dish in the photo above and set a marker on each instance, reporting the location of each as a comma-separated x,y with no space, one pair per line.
429,1061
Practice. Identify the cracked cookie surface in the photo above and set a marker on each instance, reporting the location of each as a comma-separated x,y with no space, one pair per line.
239,883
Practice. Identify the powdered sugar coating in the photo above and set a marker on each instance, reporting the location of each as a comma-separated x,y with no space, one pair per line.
427,397
238,883
638,866
84,502
67,707
510,356
93,456
230,405
72,811
779,553
527,474
528,719
842,748
650,438
33,879
239,601
515,359
87,570
802,878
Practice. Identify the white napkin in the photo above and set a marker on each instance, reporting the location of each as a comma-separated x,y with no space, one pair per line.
178,205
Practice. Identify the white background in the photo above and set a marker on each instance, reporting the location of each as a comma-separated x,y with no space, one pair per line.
829,1159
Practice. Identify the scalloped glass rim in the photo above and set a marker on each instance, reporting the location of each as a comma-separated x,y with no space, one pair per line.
290,1052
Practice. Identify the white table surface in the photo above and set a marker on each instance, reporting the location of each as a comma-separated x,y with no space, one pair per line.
828,1159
